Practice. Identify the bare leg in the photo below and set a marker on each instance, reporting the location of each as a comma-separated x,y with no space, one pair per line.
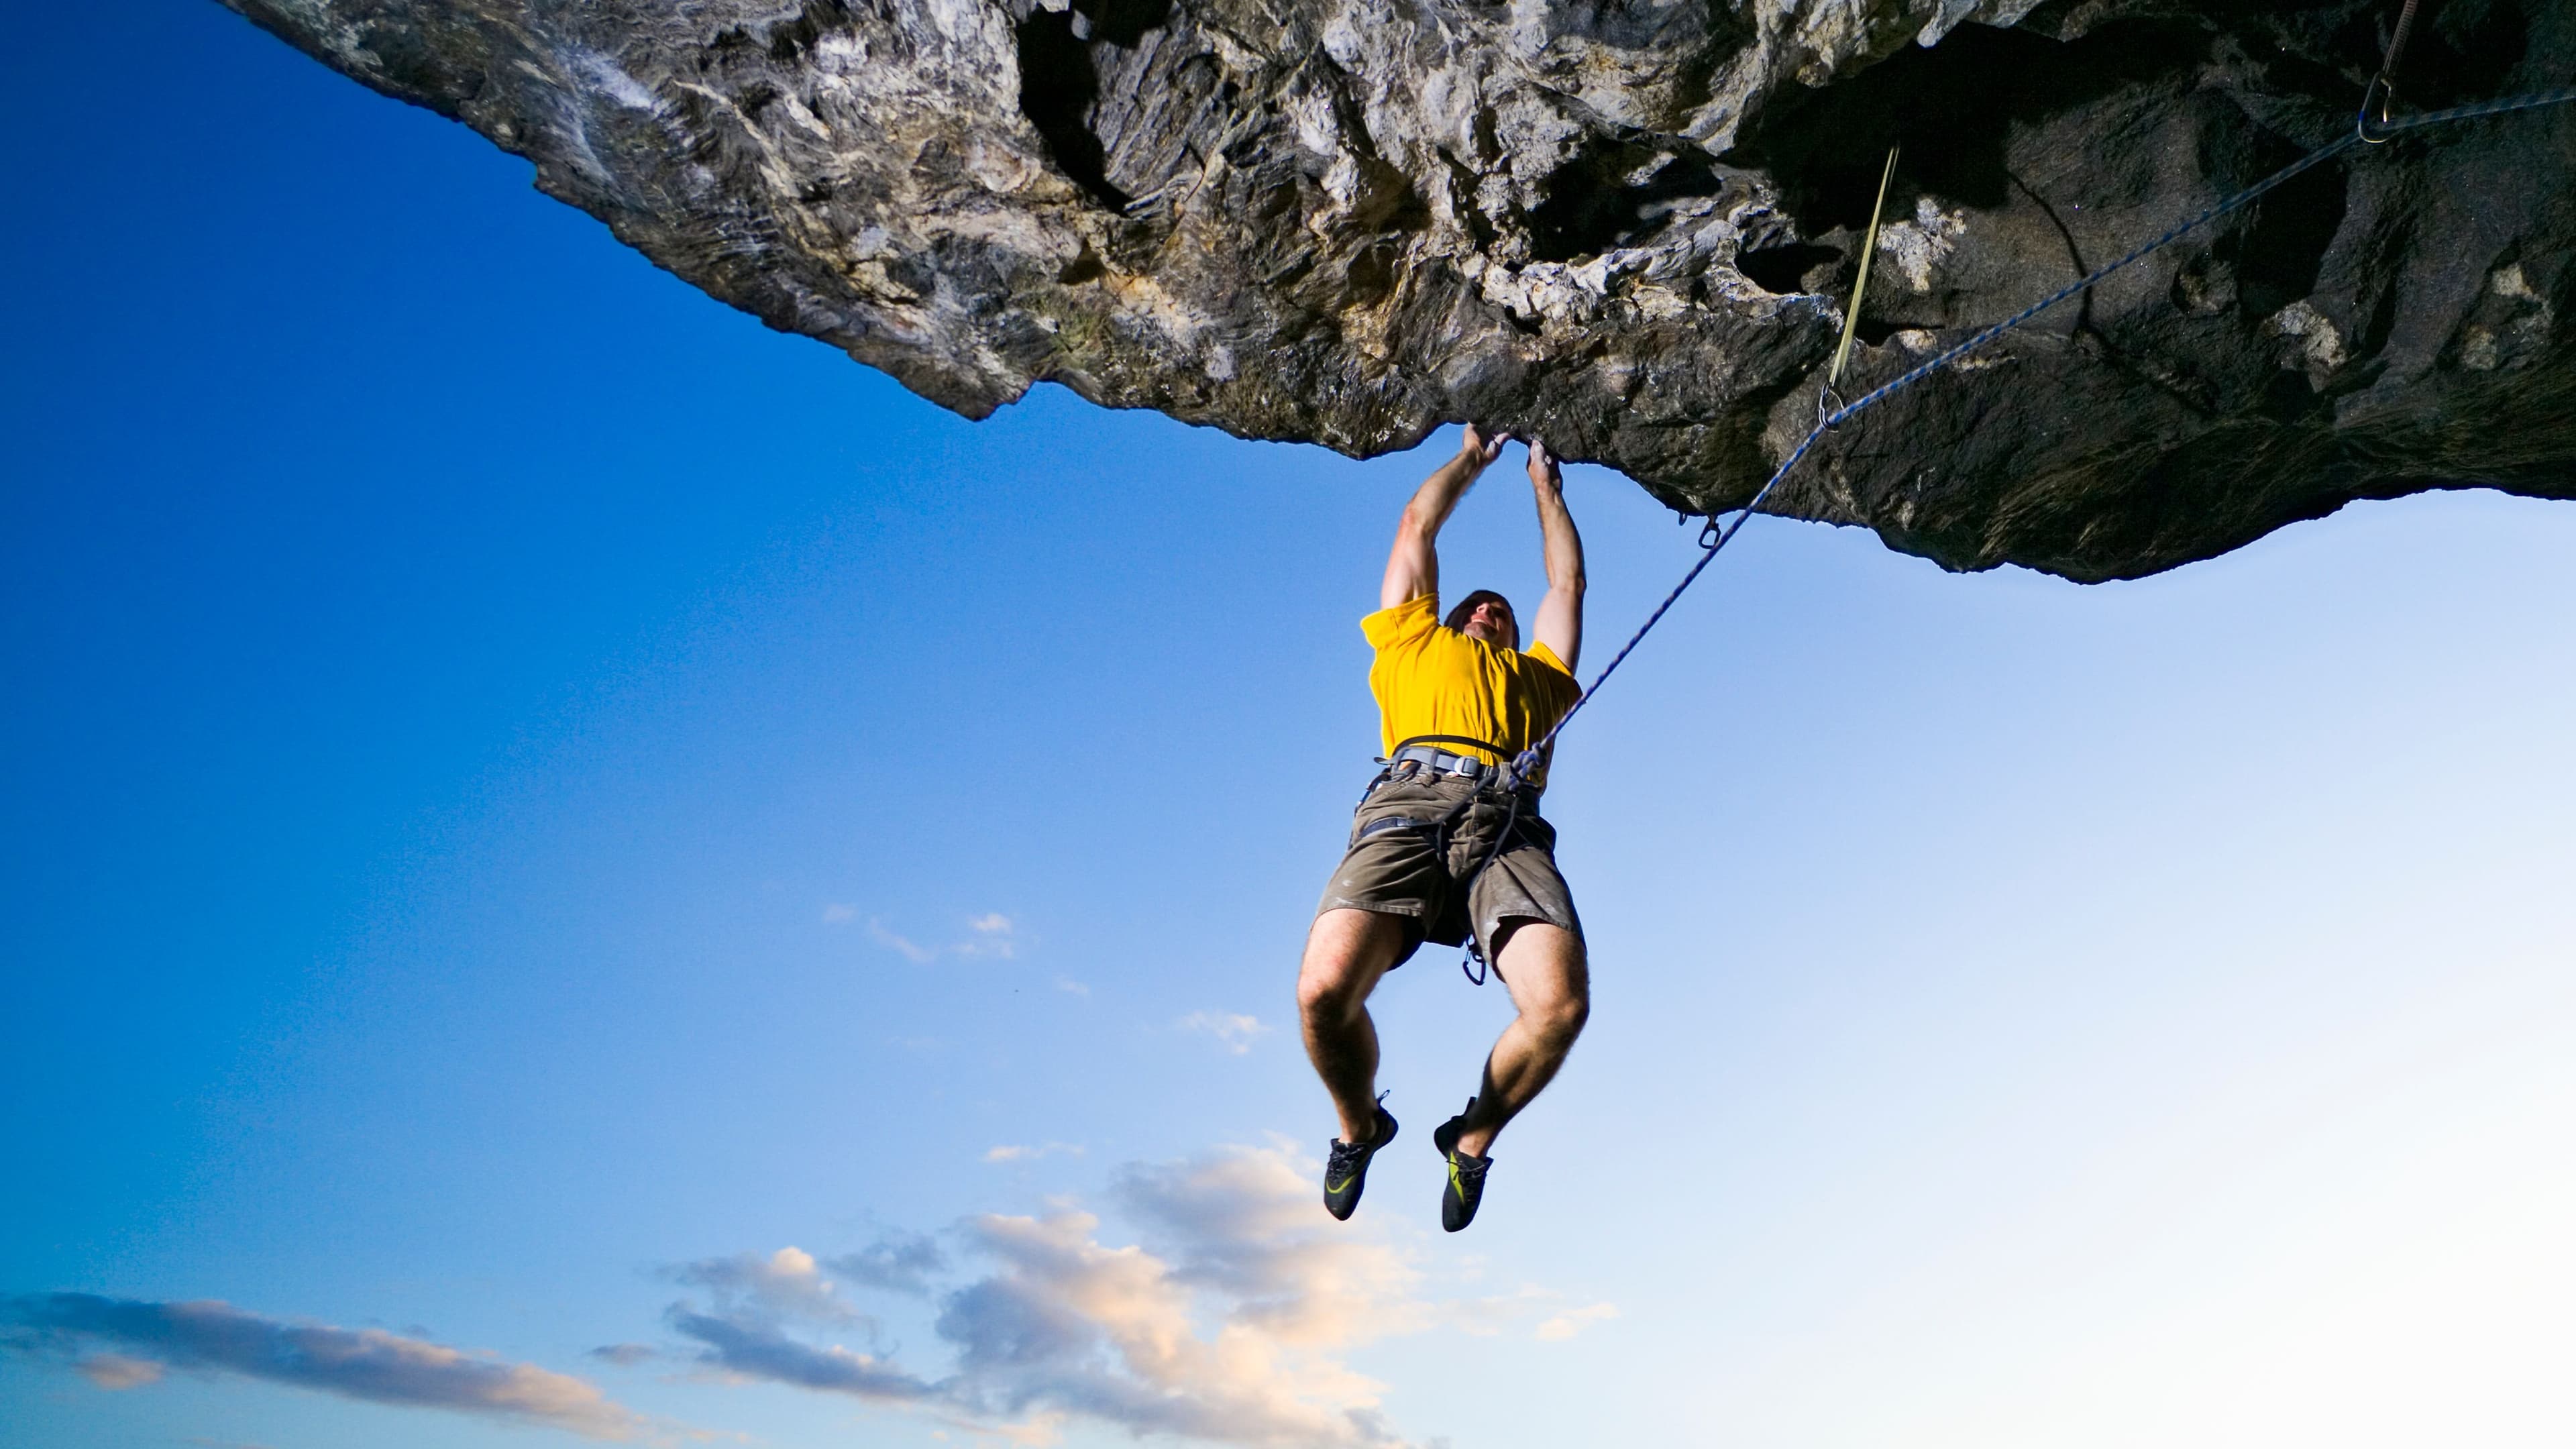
1551,986
1347,951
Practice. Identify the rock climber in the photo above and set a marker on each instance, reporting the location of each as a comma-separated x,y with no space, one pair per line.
1458,701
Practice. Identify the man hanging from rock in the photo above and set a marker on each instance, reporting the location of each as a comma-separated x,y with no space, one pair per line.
1458,700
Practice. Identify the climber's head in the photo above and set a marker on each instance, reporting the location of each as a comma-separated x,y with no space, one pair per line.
1486,615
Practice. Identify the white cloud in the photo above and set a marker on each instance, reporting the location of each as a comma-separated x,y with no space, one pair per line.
836,913
1232,1028
786,1284
990,937
1244,1223
362,1363
917,954
1228,1323
1495,1313
1075,1325
1012,1152
1573,1321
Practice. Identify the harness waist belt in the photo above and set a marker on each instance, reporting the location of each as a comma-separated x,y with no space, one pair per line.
1434,758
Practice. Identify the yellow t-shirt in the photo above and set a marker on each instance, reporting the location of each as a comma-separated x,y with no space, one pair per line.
1431,680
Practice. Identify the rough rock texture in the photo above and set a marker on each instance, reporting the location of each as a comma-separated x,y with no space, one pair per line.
1624,224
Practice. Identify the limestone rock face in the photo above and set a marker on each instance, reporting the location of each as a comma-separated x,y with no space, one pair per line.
1625,225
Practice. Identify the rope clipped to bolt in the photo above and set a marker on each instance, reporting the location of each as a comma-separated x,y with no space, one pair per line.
1714,535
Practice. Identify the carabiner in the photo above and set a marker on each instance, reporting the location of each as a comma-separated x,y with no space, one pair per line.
2380,87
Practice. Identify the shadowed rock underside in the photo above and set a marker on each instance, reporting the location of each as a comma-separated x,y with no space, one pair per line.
1625,226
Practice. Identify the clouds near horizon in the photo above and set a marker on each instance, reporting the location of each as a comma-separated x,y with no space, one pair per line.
120,1343
1229,1323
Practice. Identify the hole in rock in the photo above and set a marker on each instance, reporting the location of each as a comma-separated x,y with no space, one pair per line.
1784,268
1951,107
791,40
1057,86
2288,397
2279,253
1874,331
2468,53
1123,22
1613,194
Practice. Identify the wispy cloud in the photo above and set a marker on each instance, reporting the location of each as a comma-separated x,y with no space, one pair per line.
989,937
1228,1323
1232,1028
125,1342
835,914
994,938
1013,1152
113,1371
764,1351
897,1262
900,945
626,1355
786,1284
1573,1321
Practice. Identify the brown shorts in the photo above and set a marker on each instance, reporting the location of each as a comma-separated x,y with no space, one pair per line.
1395,870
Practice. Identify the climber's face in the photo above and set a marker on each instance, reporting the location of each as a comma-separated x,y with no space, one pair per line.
1487,615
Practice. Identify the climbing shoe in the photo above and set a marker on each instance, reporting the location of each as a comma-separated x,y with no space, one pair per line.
1466,1185
1346,1167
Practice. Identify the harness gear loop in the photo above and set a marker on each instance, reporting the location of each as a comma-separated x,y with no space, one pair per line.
1474,939
1512,781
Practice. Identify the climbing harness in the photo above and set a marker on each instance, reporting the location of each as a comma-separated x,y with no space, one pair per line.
1715,534
1422,753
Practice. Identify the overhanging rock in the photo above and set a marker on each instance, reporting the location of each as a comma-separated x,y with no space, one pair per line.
1623,226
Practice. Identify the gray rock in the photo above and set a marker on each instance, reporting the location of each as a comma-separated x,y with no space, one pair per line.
1626,226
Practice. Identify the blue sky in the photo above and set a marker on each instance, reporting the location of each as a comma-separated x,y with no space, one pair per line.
532,797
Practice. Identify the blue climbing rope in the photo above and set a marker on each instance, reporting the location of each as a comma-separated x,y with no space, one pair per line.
1714,537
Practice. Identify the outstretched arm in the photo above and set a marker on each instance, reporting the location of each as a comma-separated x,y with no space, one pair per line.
1560,614
1413,568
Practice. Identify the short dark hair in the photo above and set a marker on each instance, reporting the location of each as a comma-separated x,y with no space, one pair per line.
1458,612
